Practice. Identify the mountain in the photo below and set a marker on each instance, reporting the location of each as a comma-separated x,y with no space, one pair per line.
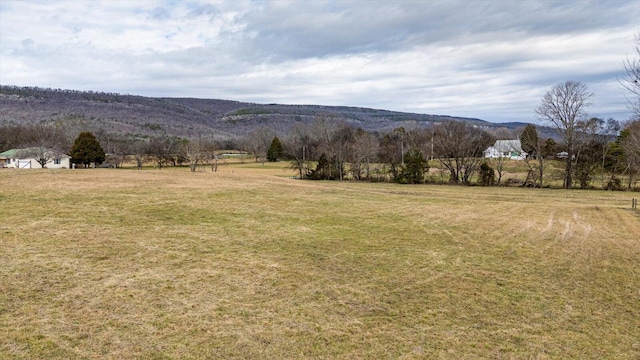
189,117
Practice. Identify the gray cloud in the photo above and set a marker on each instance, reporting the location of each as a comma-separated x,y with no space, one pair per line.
318,29
486,59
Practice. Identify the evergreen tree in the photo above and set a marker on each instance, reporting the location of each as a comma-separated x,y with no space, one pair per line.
325,170
550,147
529,140
586,163
86,150
614,161
275,150
413,170
487,176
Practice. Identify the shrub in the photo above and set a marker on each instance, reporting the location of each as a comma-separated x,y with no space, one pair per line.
614,184
325,170
487,175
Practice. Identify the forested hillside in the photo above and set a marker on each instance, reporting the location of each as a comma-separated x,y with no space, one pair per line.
140,116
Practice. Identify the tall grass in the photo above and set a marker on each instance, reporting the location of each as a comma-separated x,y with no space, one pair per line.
248,263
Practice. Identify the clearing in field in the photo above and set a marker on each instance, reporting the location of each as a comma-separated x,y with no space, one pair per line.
243,263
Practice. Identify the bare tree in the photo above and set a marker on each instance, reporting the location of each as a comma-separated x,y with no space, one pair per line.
12,136
333,140
39,135
194,152
341,145
71,126
631,144
390,150
503,133
564,106
298,146
419,138
593,147
501,164
324,127
590,151
614,163
631,79
459,147
364,151
533,145
258,142
162,149
401,135
208,149
138,149
115,147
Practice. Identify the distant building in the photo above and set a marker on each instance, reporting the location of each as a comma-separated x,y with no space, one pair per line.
511,149
564,155
26,159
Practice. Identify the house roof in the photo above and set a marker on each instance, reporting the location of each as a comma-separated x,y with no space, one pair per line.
508,145
14,153
9,153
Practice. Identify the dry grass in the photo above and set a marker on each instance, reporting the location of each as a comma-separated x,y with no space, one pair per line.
247,263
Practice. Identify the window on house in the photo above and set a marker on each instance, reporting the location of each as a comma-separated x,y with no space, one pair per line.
8,161
56,161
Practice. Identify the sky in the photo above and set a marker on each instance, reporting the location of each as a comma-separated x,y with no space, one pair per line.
492,60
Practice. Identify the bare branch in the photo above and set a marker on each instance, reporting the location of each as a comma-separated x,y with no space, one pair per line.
564,107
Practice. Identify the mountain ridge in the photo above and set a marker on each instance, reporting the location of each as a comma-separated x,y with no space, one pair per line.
142,116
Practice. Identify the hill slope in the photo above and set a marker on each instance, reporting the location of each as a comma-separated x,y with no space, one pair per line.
189,117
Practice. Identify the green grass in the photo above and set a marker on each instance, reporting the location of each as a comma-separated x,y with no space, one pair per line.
247,263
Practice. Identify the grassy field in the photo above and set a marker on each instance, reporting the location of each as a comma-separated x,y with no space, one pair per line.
249,263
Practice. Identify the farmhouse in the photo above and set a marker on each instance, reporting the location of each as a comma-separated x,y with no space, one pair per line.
511,149
29,158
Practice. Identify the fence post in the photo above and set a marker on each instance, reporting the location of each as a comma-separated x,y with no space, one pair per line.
634,203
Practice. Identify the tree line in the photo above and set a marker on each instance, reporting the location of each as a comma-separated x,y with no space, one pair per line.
330,149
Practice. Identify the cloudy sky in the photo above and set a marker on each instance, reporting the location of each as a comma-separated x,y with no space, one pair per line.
492,60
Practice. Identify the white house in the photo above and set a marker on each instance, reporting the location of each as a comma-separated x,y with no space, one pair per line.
28,159
511,149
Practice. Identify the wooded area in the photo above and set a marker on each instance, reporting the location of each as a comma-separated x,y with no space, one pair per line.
329,149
